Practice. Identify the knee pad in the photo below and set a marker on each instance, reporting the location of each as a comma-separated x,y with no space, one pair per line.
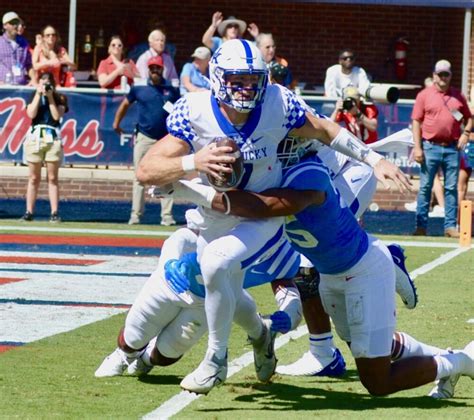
307,282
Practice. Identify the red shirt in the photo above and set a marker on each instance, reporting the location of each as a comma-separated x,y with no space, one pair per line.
357,128
107,66
433,109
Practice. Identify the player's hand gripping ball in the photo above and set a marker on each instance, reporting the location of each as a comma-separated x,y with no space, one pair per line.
231,180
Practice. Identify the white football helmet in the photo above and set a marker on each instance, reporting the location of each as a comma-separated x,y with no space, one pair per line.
292,149
238,56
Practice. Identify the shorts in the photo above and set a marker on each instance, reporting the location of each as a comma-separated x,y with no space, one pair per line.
361,302
39,149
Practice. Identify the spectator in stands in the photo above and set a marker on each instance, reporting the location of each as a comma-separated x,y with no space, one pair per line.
15,56
115,66
231,28
43,143
154,101
266,44
438,115
195,75
157,42
51,57
359,118
344,74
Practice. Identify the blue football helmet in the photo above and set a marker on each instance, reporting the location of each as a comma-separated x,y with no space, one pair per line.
238,57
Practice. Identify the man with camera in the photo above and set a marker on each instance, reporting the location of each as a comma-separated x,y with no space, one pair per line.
43,143
359,118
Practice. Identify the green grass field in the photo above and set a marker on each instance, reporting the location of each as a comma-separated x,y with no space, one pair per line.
54,377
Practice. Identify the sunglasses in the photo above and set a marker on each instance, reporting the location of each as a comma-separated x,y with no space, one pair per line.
347,57
444,74
14,22
233,25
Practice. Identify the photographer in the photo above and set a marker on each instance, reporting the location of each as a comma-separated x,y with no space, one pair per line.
43,143
359,118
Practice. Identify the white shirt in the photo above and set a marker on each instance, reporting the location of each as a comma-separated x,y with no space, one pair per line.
169,70
336,81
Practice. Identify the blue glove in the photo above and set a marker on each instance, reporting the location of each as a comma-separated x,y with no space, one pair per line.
175,274
281,322
180,272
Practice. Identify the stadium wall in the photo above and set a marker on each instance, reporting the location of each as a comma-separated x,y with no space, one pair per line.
116,185
309,35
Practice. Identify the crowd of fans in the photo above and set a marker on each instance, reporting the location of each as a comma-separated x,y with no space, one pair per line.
24,64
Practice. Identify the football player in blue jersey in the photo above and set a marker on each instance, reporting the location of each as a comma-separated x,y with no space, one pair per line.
242,106
357,284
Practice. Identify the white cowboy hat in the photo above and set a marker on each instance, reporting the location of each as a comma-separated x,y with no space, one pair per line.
229,21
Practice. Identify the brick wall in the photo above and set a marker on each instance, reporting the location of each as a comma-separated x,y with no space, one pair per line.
121,190
308,35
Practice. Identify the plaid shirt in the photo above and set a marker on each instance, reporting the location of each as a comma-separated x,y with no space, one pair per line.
10,56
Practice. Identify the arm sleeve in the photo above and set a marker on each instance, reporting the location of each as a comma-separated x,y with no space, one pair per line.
418,112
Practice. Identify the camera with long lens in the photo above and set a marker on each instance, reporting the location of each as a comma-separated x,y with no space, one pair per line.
48,87
348,104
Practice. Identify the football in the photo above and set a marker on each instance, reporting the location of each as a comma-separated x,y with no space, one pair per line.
230,180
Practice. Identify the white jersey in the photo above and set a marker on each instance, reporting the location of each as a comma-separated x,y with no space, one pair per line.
198,120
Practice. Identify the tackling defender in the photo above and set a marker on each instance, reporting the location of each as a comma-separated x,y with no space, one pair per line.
357,279
236,109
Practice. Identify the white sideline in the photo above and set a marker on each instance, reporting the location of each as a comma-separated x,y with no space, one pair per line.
178,402
169,232
175,404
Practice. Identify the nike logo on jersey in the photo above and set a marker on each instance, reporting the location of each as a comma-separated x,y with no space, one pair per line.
355,179
348,278
253,141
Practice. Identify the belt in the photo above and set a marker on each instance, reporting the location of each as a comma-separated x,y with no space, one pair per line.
442,143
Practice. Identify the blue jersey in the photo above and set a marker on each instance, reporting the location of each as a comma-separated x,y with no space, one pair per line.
328,235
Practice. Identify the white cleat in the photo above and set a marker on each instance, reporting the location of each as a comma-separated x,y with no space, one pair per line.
310,365
113,365
210,373
444,388
264,357
404,285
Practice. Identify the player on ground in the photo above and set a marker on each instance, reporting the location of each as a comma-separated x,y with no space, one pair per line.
356,184
357,279
236,108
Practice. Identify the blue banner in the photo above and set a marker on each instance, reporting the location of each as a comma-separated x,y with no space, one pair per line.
86,130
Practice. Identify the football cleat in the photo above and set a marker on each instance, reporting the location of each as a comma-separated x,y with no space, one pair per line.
139,368
444,388
404,285
210,373
310,365
113,365
264,357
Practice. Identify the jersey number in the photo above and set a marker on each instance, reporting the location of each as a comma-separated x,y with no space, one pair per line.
300,237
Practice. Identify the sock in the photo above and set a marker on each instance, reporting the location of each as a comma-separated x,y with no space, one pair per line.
246,316
404,346
146,355
449,364
129,357
321,345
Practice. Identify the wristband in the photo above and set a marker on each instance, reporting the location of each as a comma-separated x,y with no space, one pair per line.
227,202
373,158
187,162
